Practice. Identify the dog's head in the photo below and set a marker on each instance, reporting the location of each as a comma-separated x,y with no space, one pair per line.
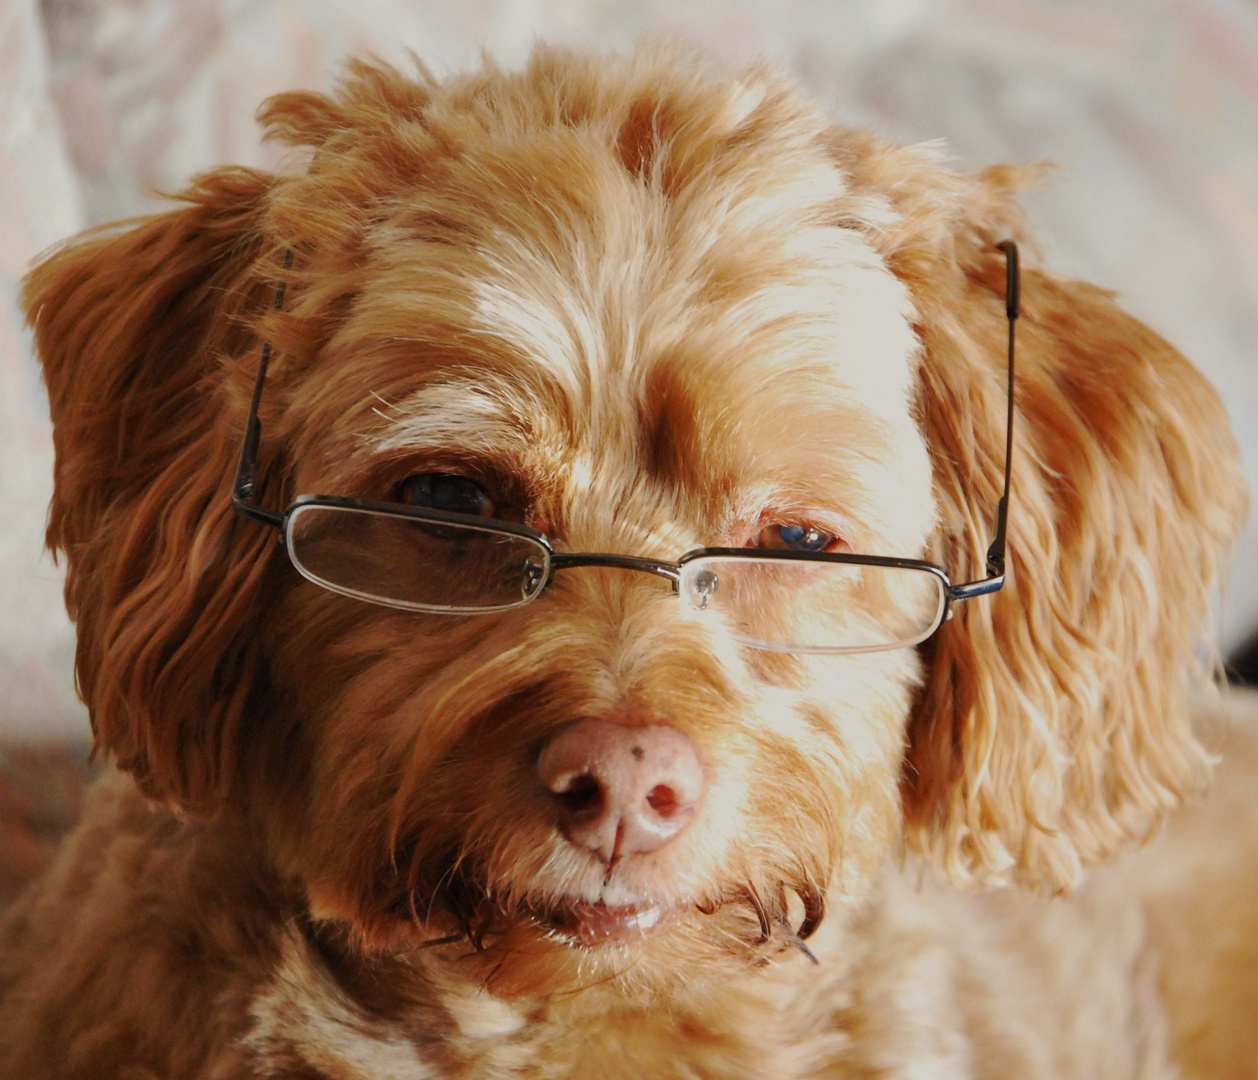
638,310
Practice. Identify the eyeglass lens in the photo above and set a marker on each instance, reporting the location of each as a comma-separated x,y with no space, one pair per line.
819,606
412,563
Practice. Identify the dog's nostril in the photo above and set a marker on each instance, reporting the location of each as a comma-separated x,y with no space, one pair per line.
583,795
663,800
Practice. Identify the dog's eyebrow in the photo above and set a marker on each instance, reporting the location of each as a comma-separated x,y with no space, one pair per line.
478,416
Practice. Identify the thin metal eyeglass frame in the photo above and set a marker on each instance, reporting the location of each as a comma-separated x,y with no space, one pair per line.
245,486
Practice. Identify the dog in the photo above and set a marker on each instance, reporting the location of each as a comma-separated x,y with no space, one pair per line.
540,581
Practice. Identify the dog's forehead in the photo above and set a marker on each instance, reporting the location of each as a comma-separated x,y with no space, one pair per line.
536,294
547,271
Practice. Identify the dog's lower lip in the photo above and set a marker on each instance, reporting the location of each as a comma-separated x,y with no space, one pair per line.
598,924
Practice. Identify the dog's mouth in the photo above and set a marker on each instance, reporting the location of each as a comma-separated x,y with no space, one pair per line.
593,924
758,925
452,896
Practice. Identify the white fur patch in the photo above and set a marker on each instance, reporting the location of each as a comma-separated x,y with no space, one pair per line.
482,1016
302,1015
470,415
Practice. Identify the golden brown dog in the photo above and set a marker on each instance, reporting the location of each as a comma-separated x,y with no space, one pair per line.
532,789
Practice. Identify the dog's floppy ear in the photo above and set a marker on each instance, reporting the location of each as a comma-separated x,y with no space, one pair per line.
133,328
149,336
1055,723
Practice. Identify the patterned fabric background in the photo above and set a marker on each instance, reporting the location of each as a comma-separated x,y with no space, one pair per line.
1149,106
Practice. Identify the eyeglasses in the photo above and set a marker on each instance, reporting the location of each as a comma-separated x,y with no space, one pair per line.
440,562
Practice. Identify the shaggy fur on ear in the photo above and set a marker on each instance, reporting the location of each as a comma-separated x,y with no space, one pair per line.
162,578
1055,723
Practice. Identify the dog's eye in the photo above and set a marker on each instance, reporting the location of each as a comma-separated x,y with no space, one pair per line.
444,491
795,538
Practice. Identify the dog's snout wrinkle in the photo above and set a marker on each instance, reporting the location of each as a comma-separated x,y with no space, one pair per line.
620,790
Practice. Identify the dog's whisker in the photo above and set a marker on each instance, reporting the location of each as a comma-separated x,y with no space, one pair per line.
752,895
814,901
793,939
720,932
767,928
449,939
433,896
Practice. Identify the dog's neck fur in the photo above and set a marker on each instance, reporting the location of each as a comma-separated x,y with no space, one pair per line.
767,1022
419,1014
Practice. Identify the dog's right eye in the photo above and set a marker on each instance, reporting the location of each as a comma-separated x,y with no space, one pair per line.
796,538
445,491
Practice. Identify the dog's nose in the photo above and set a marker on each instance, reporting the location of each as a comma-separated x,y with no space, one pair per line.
621,790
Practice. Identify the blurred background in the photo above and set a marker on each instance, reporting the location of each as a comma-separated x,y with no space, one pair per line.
1150,107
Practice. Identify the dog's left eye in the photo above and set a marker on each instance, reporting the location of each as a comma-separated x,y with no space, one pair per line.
795,538
445,491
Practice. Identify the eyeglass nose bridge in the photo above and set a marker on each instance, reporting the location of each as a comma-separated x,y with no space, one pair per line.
658,567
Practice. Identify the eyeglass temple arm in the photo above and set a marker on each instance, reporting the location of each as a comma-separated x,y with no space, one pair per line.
996,553
245,485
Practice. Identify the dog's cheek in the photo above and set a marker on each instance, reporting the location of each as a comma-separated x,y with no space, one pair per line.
413,729
857,708
344,677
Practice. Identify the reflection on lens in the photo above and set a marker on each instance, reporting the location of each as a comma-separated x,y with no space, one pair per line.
806,605
413,563
705,583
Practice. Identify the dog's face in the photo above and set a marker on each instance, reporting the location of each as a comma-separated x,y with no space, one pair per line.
640,311
599,361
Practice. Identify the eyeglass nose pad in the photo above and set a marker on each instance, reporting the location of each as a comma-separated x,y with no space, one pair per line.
703,587
534,578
